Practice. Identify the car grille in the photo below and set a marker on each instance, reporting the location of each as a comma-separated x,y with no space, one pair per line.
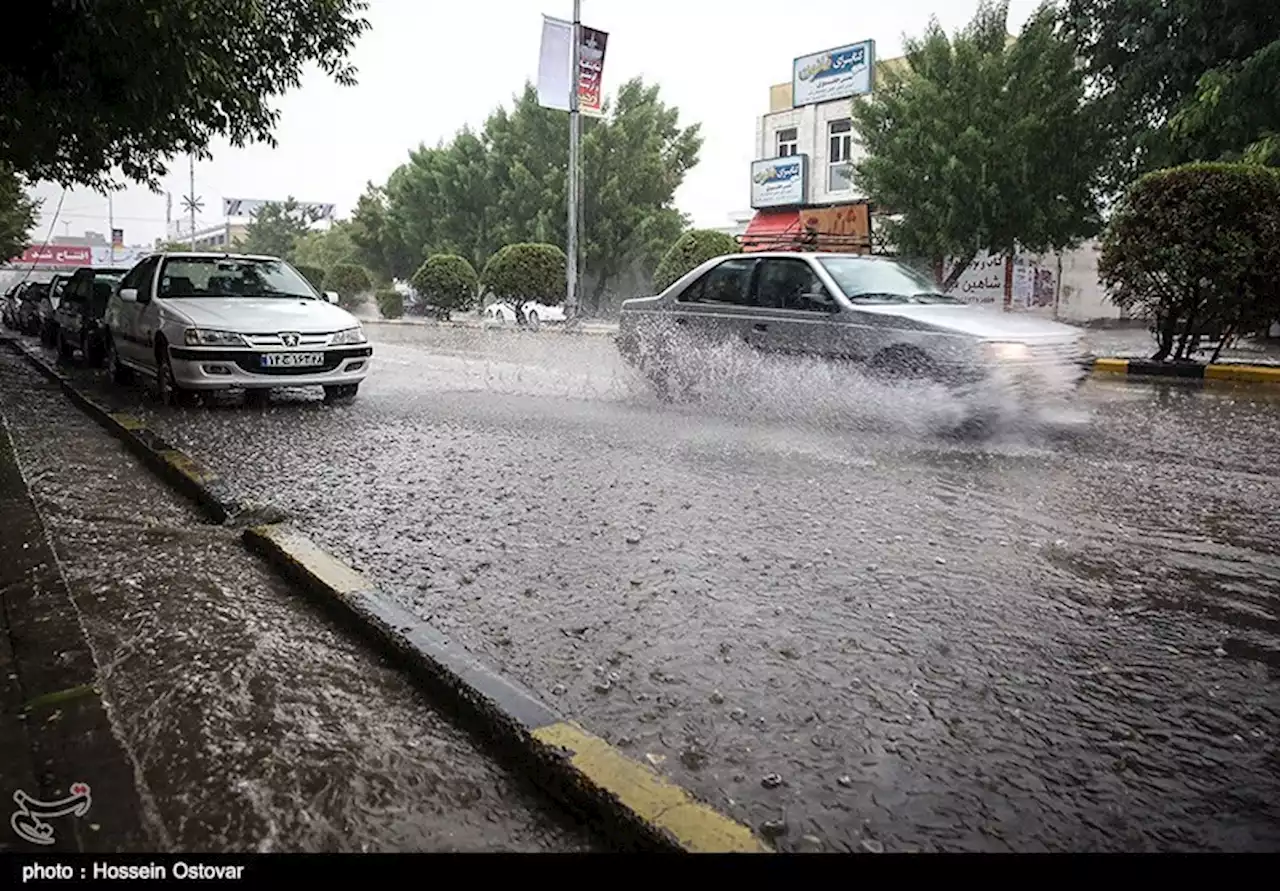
259,341
252,363
1062,352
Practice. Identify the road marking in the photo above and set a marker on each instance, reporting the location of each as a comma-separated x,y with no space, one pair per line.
1111,366
695,826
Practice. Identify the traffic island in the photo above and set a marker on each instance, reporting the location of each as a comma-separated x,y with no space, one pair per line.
630,802
1237,373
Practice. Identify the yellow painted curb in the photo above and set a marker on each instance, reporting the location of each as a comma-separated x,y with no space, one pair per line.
661,804
129,422
1253,373
303,553
187,466
1111,366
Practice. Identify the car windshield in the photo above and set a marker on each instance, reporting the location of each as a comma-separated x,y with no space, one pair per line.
232,277
883,281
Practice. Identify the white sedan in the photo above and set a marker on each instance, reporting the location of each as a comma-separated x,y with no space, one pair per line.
536,313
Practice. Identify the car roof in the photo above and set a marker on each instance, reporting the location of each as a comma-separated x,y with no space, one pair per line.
811,254
222,255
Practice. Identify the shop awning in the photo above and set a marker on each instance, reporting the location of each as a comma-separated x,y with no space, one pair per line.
772,230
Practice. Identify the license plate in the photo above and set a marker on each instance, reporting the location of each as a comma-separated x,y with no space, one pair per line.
292,360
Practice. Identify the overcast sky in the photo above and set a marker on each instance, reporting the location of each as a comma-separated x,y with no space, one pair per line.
428,68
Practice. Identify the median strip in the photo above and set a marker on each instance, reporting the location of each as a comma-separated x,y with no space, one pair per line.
580,769
1255,374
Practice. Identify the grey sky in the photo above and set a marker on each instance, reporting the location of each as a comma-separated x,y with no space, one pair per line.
422,77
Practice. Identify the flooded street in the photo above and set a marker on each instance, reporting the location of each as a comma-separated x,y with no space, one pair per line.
794,599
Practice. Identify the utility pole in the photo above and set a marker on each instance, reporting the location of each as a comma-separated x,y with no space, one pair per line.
192,200
111,226
575,138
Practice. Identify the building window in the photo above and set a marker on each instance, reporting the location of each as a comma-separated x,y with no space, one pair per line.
840,146
787,142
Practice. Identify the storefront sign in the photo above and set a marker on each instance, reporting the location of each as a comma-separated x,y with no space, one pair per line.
55,255
834,74
779,182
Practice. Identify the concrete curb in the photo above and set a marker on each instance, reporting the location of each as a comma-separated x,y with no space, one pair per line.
188,476
1254,374
583,771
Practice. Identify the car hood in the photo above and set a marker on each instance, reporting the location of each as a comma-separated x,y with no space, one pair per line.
976,321
267,315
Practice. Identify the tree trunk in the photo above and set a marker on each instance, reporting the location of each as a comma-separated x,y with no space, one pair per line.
596,293
1165,328
1186,336
1227,333
962,265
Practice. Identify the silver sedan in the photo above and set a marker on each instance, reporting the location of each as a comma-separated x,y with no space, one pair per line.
873,311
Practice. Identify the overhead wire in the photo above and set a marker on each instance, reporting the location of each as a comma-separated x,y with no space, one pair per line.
47,238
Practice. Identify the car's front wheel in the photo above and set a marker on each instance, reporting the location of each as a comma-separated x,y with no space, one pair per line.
65,350
340,392
167,389
120,374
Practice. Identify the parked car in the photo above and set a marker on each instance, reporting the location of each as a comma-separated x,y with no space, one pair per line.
872,311
535,314
79,317
29,306
196,322
47,327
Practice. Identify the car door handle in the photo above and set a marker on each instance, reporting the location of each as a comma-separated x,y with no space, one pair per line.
760,326
680,321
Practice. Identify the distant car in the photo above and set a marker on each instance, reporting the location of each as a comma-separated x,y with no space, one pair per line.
79,317
535,314
196,322
29,306
48,306
872,312
9,306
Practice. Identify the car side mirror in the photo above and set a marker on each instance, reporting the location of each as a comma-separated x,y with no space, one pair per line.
820,301
129,295
331,296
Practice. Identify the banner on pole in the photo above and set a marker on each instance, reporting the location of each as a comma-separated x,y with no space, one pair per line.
555,67
117,238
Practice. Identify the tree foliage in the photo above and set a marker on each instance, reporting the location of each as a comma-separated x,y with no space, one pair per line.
1197,249
352,283
277,227
520,274
390,303
981,143
313,274
447,283
507,184
1173,81
78,103
690,251
17,214
325,248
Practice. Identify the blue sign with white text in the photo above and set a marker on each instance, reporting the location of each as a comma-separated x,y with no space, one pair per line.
834,74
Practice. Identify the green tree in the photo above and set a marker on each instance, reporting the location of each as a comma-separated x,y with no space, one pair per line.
521,274
277,227
447,282
325,248
17,214
690,251
390,303
981,143
507,184
313,274
352,283
74,111
1197,249
1178,80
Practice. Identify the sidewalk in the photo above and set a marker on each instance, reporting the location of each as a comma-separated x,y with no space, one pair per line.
244,719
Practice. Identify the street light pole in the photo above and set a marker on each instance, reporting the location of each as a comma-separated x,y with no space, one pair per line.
575,138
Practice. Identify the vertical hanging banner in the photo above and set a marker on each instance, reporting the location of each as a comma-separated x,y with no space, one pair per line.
555,67
591,72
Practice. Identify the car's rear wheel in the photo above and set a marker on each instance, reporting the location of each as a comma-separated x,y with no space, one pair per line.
120,374
340,392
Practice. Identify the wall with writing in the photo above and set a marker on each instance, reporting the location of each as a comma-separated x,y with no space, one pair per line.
983,282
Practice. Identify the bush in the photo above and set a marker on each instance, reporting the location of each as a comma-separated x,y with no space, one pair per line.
447,283
527,273
390,303
1197,250
690,251
313,274
352,283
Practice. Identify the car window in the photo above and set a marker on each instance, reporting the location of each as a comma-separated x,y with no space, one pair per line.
232,277
791,284
882,281
727,283
135,276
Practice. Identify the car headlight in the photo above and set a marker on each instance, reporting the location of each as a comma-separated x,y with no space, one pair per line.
350,335
206,337
1008,352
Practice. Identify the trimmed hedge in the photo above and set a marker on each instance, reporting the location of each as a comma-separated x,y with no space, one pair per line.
351,282
527,273
390,303
690,251
313,274
447,283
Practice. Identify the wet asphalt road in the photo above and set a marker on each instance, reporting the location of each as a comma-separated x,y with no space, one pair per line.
252,722
795,600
